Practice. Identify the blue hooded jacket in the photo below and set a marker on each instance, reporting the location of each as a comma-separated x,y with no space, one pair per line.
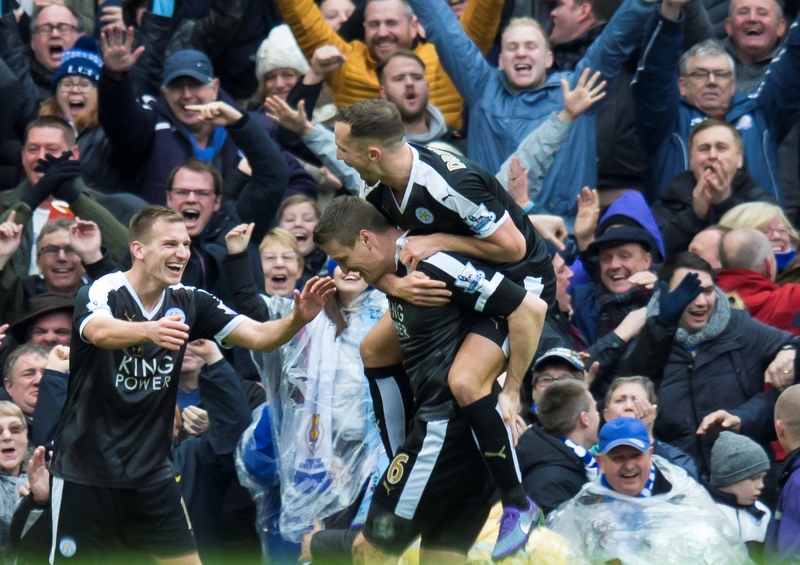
500,118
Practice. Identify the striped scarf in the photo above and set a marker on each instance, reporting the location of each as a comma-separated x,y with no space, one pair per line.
647,491
589,462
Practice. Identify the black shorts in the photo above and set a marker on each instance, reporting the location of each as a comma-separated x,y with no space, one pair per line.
91,524
436,487
492,328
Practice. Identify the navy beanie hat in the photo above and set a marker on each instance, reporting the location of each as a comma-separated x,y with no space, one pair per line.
83,60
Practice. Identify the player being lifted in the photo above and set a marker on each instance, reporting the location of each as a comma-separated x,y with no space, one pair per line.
435,485
458,207
113,486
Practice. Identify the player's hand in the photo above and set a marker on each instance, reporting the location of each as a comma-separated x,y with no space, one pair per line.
305,545
418,248
586,92
10,238
719,421
286,117
518,182
195,420
238,238
587,217
169,333
551,228
217,113
38,477
86,241
117,46
58,359
309,302
205,349
780,372
509,404
643,278
417,288
3,329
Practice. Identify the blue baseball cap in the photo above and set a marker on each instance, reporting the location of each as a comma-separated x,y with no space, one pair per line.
188,63
562,353
624,431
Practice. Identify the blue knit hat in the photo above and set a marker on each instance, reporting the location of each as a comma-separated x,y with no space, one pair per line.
83,59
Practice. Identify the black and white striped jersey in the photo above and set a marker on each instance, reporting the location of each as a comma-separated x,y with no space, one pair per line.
116,426
450,194
431,336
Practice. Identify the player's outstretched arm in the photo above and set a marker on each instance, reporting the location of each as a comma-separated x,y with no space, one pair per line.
110,333
270,335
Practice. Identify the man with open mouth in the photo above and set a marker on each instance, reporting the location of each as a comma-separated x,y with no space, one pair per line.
114,488
673,92
707,361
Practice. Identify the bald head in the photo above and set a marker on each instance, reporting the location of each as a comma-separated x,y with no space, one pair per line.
787,418
746,249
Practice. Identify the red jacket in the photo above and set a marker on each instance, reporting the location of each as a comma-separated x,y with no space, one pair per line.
767,302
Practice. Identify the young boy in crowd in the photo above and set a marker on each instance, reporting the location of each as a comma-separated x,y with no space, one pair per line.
738,467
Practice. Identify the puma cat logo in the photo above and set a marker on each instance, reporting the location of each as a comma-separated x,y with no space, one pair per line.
501,454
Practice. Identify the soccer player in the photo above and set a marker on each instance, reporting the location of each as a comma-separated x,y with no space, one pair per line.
457,207
113,487
435,484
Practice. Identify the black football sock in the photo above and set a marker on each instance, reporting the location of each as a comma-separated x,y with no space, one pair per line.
496,444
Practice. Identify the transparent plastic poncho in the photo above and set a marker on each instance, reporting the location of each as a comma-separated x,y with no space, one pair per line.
325,438
679,527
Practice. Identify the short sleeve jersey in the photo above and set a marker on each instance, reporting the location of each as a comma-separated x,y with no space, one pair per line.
116,426
431,336
451,194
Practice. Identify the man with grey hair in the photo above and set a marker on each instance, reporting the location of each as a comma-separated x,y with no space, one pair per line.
21,376
669,106
748,272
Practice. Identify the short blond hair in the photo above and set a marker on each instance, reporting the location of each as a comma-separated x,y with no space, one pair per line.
526,22
754,215
10,409
285,238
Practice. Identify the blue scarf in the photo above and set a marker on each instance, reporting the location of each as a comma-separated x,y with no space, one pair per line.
589,462
218,138
647,491
783,259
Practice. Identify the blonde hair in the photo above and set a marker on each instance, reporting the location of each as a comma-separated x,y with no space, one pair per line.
754,215
10,409
285,238
527,22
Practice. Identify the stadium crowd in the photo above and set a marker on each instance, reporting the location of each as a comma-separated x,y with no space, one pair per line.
436,281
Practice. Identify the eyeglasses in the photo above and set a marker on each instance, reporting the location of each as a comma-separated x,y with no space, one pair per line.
777,231
83,86
55,250
15,429
47,29
286,257
185,192
703,74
